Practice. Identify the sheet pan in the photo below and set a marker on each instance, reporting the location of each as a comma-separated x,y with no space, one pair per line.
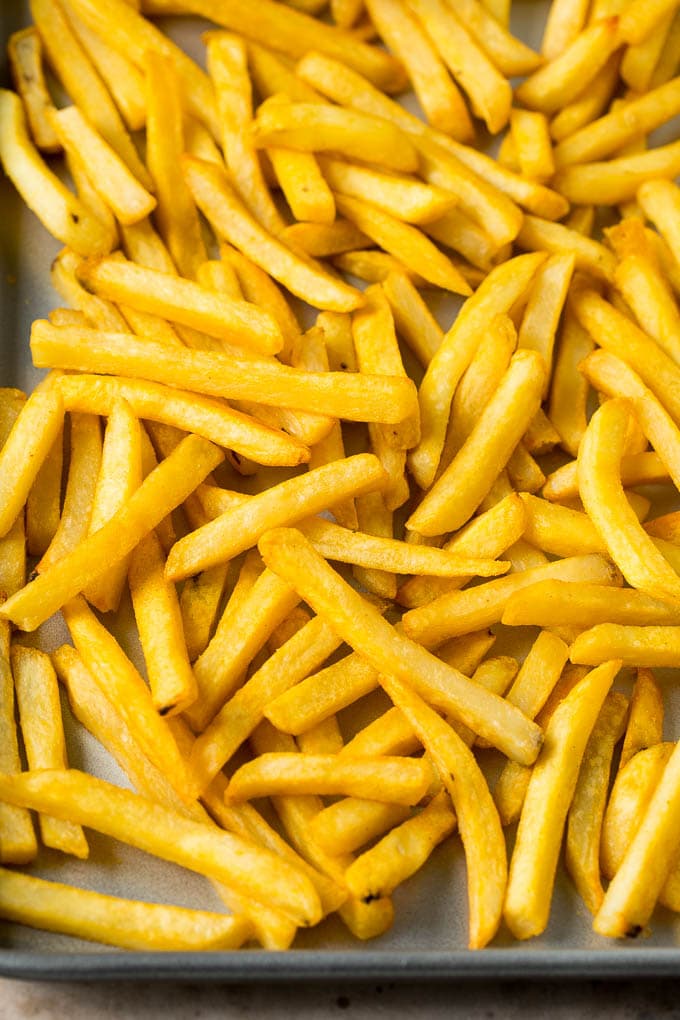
429,935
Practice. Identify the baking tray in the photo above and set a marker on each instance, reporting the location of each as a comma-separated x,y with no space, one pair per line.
430,931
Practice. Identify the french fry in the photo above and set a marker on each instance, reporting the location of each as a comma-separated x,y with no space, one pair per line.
160,492
544,307
60,211
660,202
133,35
324,239
657,645
397,856
303,184
554,603
638,22
176,213
458,612
561,80
390,779
43,505
584,823
413,319
227,65
489,92
495,296
666,63
352,822
590,104
183,301
402,197
604,499
631,793
24,50
590,256
650,297
531,140
538,674
287,502
549,795
645,719
486,451
167,834
617,180
54,906
287,551
568,387
507,53
636,469
273,75
230,219
320,127
37,694
212,419
439,97
18,844
478,820
79,77
566,19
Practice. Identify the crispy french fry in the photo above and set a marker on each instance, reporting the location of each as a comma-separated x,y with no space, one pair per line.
544,307
439,97
352,822
37,694
617,180
554,603
357,621
531,140
549,795
24,50
507,53
459,612
590,104
568,387
129,924
650,297
478,820
18,844
590,256
657,645
584,824
402,197
413,319
324,239
160,492
287,502
165,833
460,490
566,19
303,184
43,505
645,719
605,502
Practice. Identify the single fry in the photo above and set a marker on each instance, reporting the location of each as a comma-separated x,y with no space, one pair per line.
285,503
590,256
584,824
24,50
478,820
531,140
405,198
645,719
412,317
289,554
549,795
43,506
568,387
352,822
617,180
37,694
636,646
108,173
18,844
566,19
167,834
544,307
303,184
582,605
54,906
603,496
160,492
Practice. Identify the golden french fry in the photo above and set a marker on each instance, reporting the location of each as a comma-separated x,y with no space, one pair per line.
656,645
287,502
24,50
130,924
617,180
397,856
213,195
18,844
602,493
566,19
639,20
391,779
458,612
405,198
37,694
350,823
554,603
439,97
590,256
108,173
549,795
544,307
584,824
413,319
303,184
590,104
324,239
43,505
507,53
645,720
633,787
650,297
454,498
384,648
478,820
636,469
167,834
531,140
160,492
568,387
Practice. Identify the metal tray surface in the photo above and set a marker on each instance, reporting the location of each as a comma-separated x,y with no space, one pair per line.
429,936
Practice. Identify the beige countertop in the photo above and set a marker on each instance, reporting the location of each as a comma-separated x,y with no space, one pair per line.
638,1000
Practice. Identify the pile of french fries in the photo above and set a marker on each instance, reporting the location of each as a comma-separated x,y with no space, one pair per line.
336,521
